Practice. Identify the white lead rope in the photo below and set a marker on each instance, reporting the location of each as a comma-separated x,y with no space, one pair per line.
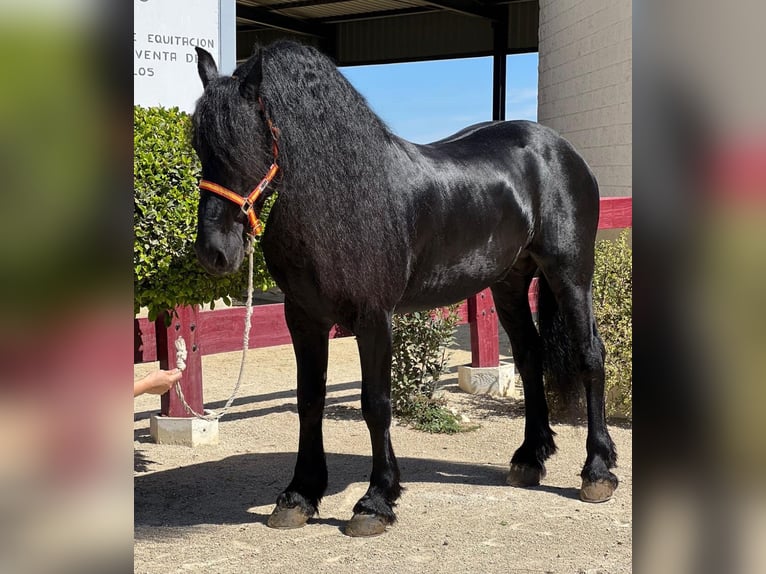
181,352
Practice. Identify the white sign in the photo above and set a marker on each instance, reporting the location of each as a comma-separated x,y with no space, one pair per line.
164,60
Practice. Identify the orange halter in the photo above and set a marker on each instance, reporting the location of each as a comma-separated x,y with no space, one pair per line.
247,204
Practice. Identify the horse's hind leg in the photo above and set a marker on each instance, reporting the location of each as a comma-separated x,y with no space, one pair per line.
528,462
374,511
300,499
572,290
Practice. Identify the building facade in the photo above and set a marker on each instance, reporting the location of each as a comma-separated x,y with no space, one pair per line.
585,84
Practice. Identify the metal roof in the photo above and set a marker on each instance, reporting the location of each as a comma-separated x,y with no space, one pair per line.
357,32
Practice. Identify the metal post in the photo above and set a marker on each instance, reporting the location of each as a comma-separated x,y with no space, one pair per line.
485,349
500,51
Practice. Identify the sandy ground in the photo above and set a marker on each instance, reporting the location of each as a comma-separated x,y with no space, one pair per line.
205,509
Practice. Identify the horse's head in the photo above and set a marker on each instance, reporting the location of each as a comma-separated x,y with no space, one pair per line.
233,142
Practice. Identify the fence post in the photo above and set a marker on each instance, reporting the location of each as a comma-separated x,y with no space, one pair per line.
482,318
184,324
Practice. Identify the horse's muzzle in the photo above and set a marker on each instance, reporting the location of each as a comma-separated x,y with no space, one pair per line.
218,258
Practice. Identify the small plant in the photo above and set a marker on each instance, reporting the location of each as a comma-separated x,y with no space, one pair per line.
420,343
431,415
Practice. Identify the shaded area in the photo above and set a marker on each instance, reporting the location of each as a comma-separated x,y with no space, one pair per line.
481,406
343,412
221,492
140,461
255,399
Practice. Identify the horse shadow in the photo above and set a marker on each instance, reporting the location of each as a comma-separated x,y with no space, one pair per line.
253,401
224,491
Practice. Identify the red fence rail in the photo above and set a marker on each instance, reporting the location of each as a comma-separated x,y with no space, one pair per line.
219,331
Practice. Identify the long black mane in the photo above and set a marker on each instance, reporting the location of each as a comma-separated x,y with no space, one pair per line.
319,114
306,96
335,152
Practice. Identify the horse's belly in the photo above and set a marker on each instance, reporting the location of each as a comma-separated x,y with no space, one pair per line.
446,283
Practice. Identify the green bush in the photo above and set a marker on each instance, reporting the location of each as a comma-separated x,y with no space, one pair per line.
431,415
613,307
418,360
166,172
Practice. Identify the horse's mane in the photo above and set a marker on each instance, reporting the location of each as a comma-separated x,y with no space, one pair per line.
329,135
305,84
335,154
336,157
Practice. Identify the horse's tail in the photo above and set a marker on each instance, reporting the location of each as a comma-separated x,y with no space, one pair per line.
559,357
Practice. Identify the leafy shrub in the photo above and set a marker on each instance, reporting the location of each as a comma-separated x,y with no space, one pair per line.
418,360
166,172
613,307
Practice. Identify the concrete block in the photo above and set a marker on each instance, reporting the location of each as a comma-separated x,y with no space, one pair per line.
497,381
186,431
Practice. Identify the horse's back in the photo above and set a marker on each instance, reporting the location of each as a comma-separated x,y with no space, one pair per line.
545,173
463,133
497,189
514,164
565,192
500,138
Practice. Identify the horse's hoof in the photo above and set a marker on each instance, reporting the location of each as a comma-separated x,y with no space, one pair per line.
524,475
283,517
596,491
365,525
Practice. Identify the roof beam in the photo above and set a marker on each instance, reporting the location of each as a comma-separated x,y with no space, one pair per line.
378,14
274,20
301,4
467,7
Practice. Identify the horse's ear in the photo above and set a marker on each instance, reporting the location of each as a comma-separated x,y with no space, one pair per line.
206,66
251,85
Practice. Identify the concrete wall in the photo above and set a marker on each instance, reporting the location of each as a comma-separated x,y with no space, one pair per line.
585,83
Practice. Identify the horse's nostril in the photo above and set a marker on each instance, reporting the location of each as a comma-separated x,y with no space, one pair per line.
221,262
212,255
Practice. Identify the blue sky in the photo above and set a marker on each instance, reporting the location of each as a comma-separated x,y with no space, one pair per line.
426,101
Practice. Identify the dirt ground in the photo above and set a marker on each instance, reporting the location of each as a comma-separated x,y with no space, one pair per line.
205,509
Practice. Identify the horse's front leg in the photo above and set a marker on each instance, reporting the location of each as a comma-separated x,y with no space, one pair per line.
300,499
375,509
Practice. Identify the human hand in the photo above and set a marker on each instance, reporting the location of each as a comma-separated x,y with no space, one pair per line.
156,383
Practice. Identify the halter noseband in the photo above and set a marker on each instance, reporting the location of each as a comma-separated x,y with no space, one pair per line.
247,204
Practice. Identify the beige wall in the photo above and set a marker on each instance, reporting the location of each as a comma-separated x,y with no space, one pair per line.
585,83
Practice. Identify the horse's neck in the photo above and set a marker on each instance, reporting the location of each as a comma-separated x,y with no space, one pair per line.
339,153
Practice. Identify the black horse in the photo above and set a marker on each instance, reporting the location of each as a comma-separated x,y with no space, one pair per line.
367,224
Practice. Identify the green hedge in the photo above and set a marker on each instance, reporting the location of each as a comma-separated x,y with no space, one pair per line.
166,171
613,307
